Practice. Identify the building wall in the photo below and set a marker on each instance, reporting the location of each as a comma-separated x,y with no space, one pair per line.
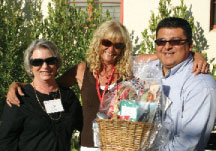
44,7
137,15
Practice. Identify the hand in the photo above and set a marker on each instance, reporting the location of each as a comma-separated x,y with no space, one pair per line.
11,95
200,66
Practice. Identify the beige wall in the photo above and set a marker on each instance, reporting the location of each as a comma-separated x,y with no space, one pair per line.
137,14
44,7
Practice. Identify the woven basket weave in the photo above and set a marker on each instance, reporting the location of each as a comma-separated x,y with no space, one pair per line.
122,135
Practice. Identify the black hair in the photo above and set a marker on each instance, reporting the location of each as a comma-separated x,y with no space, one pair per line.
175,22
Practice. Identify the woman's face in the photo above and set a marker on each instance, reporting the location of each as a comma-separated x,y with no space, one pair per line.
110,50
43,65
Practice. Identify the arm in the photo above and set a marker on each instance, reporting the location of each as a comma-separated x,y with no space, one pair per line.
69,78
197,120
10,128
11,95
66,80
73,75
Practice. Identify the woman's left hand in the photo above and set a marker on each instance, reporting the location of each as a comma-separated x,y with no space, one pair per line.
200,65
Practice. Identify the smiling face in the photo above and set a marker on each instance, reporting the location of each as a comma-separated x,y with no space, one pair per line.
171,54
45,72
110,50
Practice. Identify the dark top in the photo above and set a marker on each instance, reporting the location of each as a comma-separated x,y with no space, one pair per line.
29,128
90,106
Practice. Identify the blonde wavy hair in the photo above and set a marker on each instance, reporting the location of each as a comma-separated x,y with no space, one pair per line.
115,31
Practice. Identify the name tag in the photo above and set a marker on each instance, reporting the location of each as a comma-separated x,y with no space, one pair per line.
129,111
53,106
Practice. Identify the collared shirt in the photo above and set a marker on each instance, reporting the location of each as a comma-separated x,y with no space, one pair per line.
191,108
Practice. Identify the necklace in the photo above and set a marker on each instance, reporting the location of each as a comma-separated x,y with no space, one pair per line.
106,87
42,105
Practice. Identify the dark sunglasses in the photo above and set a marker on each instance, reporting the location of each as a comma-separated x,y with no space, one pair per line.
160,42
108,43
39,62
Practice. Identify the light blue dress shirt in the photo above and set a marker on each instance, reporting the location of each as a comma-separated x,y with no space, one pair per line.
191,108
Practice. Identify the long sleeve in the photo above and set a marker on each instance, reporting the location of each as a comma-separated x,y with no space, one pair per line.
198,118
191,115
10,128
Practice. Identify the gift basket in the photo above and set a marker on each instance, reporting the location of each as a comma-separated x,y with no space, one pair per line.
129,116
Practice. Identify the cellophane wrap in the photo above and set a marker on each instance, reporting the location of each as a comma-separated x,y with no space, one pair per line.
139,99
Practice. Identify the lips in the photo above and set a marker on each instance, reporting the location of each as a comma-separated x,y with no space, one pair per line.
168,53
45,72
109,54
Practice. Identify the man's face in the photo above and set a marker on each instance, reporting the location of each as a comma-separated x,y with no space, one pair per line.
174,52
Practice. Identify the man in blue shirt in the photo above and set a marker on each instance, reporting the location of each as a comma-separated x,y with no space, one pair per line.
191,100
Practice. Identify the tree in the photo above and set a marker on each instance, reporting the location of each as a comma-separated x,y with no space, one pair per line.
17,30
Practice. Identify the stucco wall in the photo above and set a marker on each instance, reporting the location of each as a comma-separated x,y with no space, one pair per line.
44,7
137,14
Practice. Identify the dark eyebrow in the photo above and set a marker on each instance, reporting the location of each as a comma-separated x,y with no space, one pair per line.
173,38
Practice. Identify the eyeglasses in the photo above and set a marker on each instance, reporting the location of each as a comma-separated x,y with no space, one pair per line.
108,43
178,42
39,62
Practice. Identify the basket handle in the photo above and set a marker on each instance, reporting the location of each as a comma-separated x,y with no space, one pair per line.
115,110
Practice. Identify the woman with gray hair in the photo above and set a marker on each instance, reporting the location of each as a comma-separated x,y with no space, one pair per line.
48,114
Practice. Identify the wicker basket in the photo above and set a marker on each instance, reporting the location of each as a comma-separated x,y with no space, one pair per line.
122,135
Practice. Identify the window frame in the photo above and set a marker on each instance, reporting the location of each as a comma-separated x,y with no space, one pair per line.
212,15
121,2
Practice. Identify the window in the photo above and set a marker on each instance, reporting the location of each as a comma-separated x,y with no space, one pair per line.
114,7
213,15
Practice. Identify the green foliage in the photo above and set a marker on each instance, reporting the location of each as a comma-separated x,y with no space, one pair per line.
15,35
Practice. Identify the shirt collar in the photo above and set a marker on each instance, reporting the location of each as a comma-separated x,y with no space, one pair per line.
178,67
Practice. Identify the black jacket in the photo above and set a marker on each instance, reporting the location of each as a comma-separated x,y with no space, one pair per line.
29,128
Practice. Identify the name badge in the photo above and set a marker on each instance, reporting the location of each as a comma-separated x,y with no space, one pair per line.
53,106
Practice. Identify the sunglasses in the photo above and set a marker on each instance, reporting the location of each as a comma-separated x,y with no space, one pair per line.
39,62
160,42
108,43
